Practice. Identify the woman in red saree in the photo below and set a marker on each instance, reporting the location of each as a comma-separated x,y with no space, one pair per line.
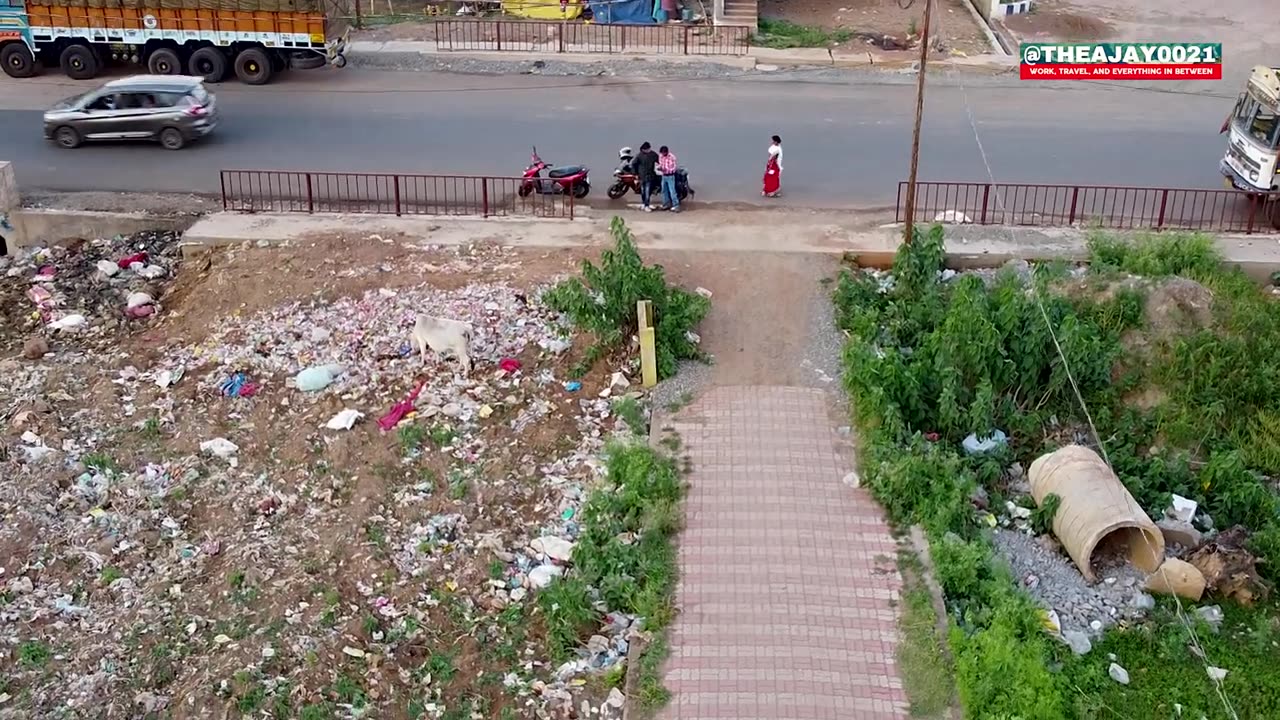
773,170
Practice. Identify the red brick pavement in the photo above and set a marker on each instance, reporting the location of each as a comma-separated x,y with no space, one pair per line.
787,587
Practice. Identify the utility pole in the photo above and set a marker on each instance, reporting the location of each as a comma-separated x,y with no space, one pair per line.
915,137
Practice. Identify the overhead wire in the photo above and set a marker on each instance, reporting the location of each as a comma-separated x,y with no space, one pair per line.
1180,611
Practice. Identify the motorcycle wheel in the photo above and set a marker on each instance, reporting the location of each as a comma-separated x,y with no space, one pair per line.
580,190
616,190
525,190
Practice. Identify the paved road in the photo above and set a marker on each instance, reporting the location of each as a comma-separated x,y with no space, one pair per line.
847,144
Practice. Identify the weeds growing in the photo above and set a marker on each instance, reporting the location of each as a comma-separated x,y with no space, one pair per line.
625,555
603,302
931,361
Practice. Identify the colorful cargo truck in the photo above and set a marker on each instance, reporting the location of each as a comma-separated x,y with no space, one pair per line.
212,39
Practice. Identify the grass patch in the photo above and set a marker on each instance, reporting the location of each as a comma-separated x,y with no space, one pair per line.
946,359
922,656
782,35
603,302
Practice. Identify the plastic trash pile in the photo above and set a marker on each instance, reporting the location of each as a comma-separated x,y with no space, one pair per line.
235,504
86,288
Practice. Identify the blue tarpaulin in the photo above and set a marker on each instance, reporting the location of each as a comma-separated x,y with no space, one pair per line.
622,12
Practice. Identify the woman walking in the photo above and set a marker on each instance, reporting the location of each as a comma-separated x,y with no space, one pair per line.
773,170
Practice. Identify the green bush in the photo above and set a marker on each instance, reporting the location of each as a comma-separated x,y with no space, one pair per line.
603,302
951,358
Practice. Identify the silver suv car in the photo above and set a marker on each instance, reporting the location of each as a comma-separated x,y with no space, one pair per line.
173,109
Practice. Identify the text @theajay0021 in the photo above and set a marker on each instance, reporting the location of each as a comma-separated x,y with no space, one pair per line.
1121,72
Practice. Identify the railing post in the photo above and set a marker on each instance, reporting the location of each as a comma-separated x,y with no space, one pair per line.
396,179
311,203
1253,208
222,178
624,39
1075,199
571,196
563,25
498,29
484,193
1164,202
986,198
686,39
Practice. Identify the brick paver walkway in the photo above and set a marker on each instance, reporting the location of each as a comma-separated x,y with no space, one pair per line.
788,584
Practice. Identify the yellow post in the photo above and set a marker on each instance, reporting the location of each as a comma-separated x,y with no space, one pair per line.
648,344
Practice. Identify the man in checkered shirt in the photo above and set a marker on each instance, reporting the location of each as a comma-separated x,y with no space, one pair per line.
667,168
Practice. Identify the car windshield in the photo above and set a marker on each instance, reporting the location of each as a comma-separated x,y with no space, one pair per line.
70,102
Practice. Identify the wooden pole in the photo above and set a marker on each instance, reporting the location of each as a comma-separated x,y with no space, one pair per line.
915,137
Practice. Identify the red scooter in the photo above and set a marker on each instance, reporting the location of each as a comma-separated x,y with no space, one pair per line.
559,180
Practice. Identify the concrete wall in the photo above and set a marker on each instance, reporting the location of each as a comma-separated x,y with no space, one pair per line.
9,198
55,227
995,9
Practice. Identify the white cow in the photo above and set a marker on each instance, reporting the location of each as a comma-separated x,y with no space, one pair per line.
443,335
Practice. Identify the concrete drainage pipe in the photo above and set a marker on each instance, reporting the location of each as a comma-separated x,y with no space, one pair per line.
1096,513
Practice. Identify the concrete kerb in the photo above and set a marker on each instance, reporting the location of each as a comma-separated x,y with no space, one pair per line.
394,52
968,246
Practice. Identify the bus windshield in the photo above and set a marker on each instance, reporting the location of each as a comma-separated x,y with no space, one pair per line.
1258,120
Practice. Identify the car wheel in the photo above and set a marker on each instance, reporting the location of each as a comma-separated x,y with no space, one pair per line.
253,67
66,137
17,60
79,62
209,64
172,139
164,62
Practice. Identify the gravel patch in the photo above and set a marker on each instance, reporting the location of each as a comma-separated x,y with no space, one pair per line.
168,204
1052,579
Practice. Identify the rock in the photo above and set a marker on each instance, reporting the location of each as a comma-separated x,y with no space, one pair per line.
1179,532
1017,511
553,547
35,348
1143,601
1177,577
1212,615
1078,642
1118,674
616,699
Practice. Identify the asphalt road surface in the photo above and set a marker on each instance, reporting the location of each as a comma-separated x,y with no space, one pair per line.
847,145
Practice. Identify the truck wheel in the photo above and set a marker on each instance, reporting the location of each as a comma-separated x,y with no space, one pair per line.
17,60
253,67
79,62
209,64
164,62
